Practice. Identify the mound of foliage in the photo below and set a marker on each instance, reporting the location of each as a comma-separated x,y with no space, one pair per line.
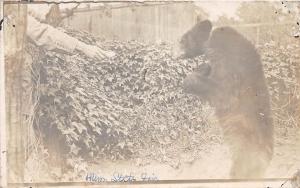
129,106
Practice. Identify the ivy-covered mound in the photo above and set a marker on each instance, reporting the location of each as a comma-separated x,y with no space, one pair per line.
131,106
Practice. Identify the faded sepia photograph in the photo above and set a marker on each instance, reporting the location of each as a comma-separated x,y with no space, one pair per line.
150,91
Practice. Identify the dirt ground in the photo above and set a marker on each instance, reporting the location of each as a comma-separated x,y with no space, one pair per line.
214,164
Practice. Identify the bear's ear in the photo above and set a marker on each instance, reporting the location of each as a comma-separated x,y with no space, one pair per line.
204,25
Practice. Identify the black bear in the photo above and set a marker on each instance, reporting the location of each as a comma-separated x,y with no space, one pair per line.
233,82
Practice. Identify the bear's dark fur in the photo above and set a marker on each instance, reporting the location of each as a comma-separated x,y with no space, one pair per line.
233,82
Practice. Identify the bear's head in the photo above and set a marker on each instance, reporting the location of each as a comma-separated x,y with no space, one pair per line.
193,42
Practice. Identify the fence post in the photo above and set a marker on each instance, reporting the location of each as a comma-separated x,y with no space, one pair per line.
3,169
14,41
